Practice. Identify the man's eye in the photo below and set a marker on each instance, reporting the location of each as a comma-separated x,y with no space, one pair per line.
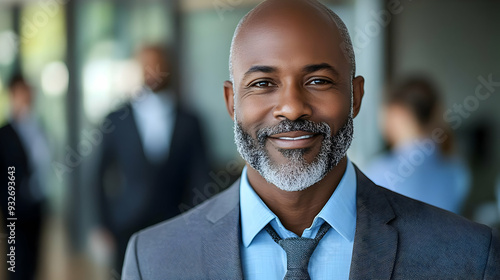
262,84
319,82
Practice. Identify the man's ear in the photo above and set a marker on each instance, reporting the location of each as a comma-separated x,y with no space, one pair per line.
358,91
229,97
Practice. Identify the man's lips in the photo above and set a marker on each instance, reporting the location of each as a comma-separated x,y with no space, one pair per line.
291,135
296,138
293,139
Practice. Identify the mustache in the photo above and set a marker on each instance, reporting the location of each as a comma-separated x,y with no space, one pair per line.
289,126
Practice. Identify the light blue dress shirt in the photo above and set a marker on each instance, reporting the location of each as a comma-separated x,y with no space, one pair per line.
262,258
154,115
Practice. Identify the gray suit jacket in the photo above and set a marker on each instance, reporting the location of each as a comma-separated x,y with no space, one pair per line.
396,238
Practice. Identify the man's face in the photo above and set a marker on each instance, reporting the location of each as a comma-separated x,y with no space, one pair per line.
154,68
21,99
292,101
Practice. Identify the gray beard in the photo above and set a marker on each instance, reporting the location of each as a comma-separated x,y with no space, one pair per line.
296,174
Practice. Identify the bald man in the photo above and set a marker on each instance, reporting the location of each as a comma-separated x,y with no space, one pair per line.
301,209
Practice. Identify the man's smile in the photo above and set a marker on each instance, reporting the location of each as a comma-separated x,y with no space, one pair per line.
294,140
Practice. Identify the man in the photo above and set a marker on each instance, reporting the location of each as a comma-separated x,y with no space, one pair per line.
292,95
24,152
151,160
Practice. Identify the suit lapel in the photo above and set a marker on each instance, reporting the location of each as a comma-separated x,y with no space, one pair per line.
176,137
132,134
221,244
375,241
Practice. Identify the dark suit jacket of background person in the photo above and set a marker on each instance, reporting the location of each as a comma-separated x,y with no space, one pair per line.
146,193
28,211
396,238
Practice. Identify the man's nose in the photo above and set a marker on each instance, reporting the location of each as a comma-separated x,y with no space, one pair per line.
292,104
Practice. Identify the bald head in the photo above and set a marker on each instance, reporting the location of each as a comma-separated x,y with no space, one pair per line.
283,15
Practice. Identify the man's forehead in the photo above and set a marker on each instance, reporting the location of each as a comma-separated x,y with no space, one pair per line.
278,49
296,32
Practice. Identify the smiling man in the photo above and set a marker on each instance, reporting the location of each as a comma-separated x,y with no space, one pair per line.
301,209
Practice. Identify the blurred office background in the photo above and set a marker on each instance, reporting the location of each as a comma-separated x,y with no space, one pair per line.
79,58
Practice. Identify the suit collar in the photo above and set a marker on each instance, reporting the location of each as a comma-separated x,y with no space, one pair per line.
221,243
225,203
375,242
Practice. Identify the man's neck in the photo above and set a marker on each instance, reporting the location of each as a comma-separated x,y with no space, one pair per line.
297,210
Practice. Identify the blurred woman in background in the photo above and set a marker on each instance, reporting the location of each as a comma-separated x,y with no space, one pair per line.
421,163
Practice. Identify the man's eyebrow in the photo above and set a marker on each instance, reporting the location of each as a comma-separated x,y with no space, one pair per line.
260,68
322,66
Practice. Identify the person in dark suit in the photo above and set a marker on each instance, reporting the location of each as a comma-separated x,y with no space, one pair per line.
157,152
301,209
23,155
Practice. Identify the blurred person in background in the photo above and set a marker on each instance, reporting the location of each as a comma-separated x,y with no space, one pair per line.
421,163
24,151
151,159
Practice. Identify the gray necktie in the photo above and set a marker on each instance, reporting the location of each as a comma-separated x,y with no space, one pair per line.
298,252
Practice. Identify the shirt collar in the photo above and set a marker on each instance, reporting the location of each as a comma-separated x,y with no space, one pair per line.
148,100
339,211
